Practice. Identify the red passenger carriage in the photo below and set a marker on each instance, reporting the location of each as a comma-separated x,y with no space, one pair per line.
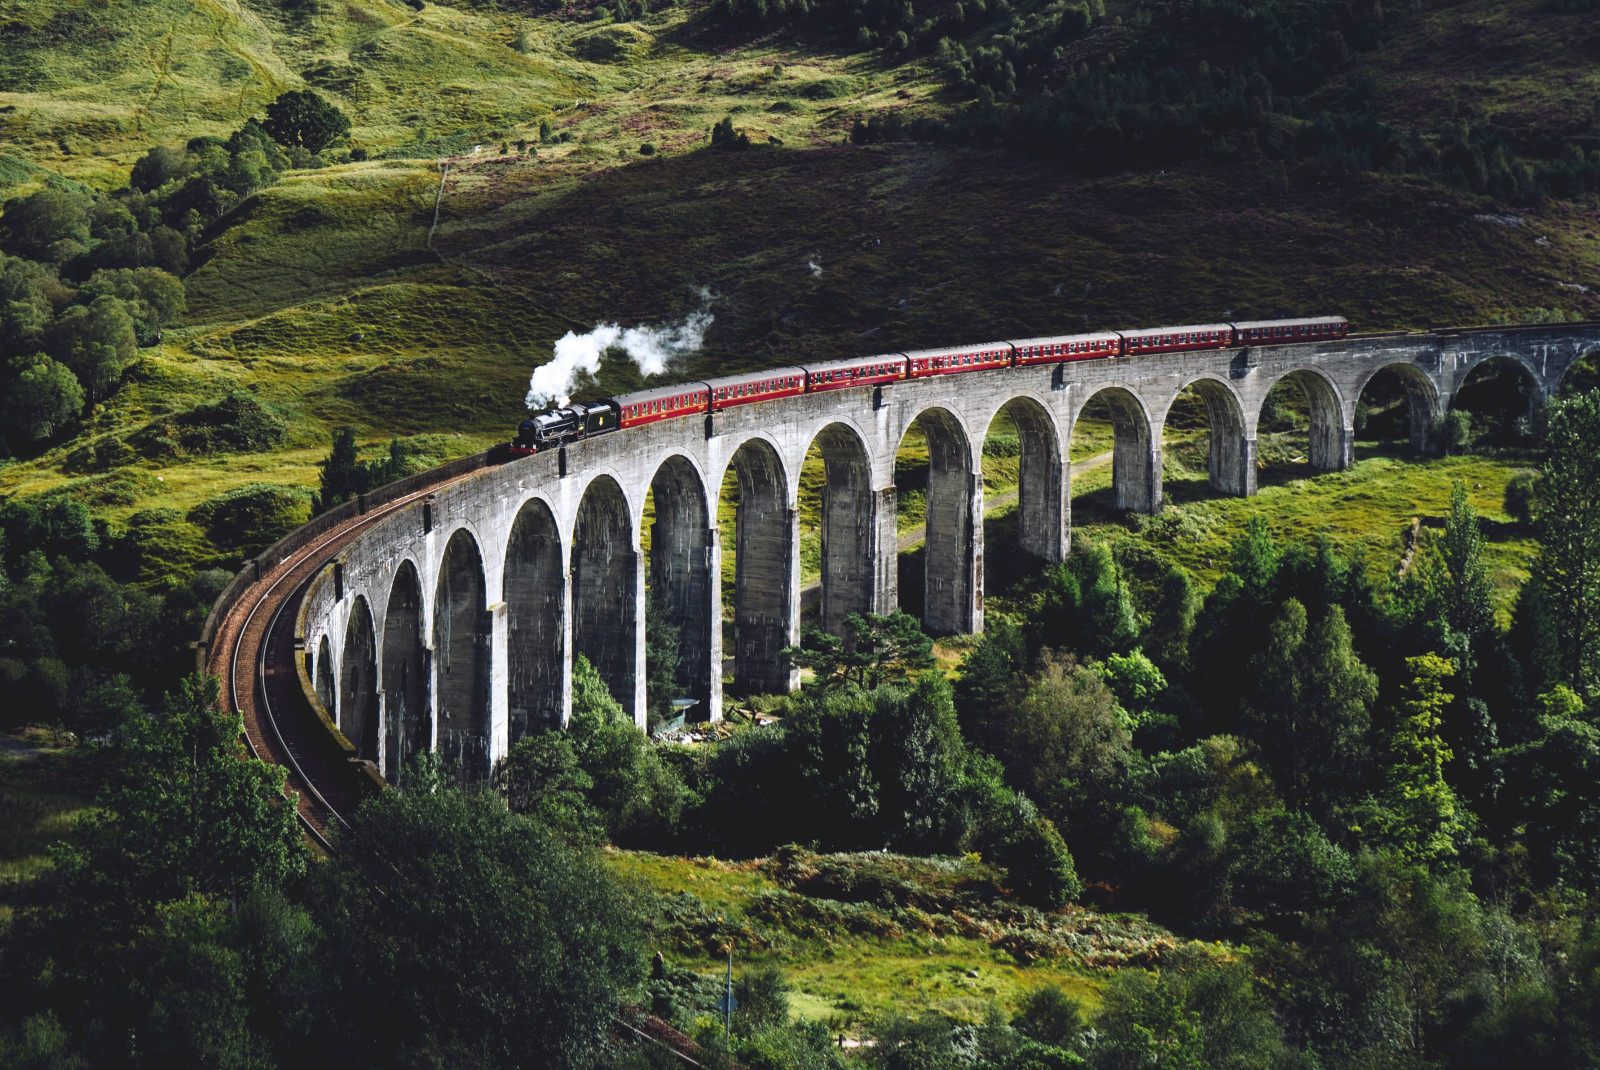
1067,347
751,387
926,362
663,403
1270,332
865,371
1172,339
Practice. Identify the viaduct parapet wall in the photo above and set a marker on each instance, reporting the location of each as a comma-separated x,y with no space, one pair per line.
453,624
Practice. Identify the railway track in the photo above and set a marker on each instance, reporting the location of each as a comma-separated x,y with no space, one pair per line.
253,654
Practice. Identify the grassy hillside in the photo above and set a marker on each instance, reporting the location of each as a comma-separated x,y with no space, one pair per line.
332,296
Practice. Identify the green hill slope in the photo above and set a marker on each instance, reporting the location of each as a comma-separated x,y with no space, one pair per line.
332,295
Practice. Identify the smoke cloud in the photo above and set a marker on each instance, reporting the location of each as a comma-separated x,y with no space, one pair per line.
650,348
813,267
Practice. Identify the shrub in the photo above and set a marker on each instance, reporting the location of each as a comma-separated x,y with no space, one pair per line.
724,136
1522,496
763,997
1453,432
254,515
1039,866
238,422
1051,1017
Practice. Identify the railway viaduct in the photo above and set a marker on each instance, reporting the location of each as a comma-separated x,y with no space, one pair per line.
451,620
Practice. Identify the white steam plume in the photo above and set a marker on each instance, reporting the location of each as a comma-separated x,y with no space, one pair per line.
814,267
651,348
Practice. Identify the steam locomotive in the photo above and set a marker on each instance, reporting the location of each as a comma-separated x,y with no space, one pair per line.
572,422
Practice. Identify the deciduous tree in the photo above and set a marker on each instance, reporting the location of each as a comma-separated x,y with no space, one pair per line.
302,118
461,934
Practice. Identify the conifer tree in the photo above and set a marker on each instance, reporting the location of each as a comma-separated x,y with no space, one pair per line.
1468,605
1417,814
1567,570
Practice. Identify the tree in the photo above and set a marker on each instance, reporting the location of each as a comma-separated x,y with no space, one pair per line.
1108,623
1522,496
1166,640
156,168
41,400
461,934
302,118
1196,1014
1050,1016
988,676
1417,814
1311,707
633,792
1086,606
341,472
1136,682
344,474
195,813
917,758
1567,569
129,942
541,777
153,297
661,658
877,648
51,225
96,342
763,997
1065,727
829,744
1467,591
1039,866
724,136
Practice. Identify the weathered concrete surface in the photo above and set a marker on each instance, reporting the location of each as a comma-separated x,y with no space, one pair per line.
480,596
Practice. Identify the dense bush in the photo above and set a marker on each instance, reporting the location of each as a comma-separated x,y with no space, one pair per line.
253,516
239,422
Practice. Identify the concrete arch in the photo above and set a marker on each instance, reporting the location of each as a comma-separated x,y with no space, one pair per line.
535,595
1330,447
1042,503
1533,373
461,632
1581,355
1136,452
1422,400
849,515
682,540
1231,462
1527,374
358,682
766,599
327,690
606,589
408,727
953,555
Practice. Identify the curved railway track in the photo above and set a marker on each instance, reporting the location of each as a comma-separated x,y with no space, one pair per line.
253,654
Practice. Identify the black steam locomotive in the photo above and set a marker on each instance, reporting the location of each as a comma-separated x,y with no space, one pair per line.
564,424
